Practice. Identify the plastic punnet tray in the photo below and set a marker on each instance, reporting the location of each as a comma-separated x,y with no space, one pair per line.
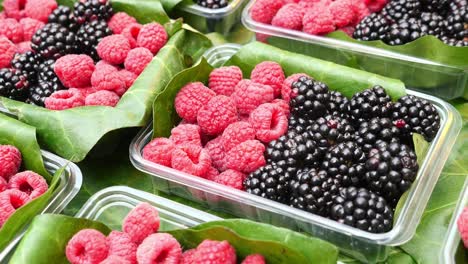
70,184
446,81
365,246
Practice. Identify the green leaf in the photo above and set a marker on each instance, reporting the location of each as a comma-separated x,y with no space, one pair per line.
421,146
47,238
145,11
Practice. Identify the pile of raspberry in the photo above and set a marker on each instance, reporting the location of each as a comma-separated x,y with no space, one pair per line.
316,17
139,242
16,188
226,126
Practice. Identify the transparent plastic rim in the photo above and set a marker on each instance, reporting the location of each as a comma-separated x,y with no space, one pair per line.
212,13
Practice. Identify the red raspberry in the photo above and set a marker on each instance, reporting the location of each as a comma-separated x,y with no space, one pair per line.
30,26
231,178
7,52
87,246
128,77
2,13
262,37
375,5
289,16
64,99
191,159
29,182
224,80
137,59
141,222
191,98
131,33
159,150
269,73
215,252
215,116
254,259
24,47
343,12
11,29
113,49
269,122
14,8
3,184
40,9
106,77
246,157
283,105
121,245
307,4
211,174
216,151
187,257
361,9
263,11
10,200
10,161
102,97
85,91
75,71
318,21
462,224
286,88
152,36
249,95
186,134
115,260
119,21
161,248
237,133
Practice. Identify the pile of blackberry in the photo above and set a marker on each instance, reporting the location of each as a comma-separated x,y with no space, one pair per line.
347,159
69,30
402,21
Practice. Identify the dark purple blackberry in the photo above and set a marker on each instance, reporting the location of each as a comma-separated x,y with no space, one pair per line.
369,132
14,84
404,31
330,130
299,125
438,6
432,24
412,114
213,4
311,100
373,27
89,10
391,169
456,24
372,102
338,105
397,10
28,63
363,209
43,89
63,15
345,162
313,191
53,41
89,35
454,42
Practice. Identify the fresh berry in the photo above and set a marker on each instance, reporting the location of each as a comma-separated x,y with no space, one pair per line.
63,15
87,246
40,9
131,32
31,183
119,21
159,150
401,9
188,257
263,11
121,245
311,98
289,16
338,105
53,41
74,71
215,252
217,114
237,133
192,159
7,51
213,4
28,63
190,99
269,73
115,260
10,201
14,9
103,98
159,248
141,222
269,122
211,174
286,89
89,10
106,77
318,21
152,36
137,59
249,95
64,99
254,259
113,49
14,84
24,46
299,124
30,26
43,89
462,223
369,132
283,105
90,34
3,184
372,102
224,80
230,178
432,23
375,5
343,13
128,77
404,31
10,161
11,29
216,151
246,157
330,130
186,134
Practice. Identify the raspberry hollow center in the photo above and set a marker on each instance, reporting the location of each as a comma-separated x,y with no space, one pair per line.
16,202
26,188
161,257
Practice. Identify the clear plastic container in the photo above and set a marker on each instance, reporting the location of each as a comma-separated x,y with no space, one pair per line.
365,246
70,184
445,81
452,242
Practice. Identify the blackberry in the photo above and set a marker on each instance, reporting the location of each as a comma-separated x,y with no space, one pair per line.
313,190
311,100
28,63
373,27
454,42
369,132
43,89
415,115
345,162
299,125
397,10
432,24
213,4
373,102
404,31
90,10
47,75
363,209
438,6
456,24
63,15
53,41
338,105
89,35
391,169
330,130
14,84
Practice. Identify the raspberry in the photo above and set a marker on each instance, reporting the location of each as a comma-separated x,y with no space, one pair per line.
263,11
159,150
24,47
246,157
191,159
113,49
283,105
188,257
254,259
216,151
14,8
269,73
29,182
64,99
11,29
462,224
211,174
131,33
215,116
119,21
343,13
318,21
269,122
249,95
161,248
237,133
141,222
361,10
215,252
137,59
85,91
186,134
88,246
262,37
348,30
128,77
40,9
30,26
190,99
3,184
7,52
10,200
152,36
289,16
224,80
121,245
102,97
106,77
10,161
375,5
75,71
115,260
231,178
